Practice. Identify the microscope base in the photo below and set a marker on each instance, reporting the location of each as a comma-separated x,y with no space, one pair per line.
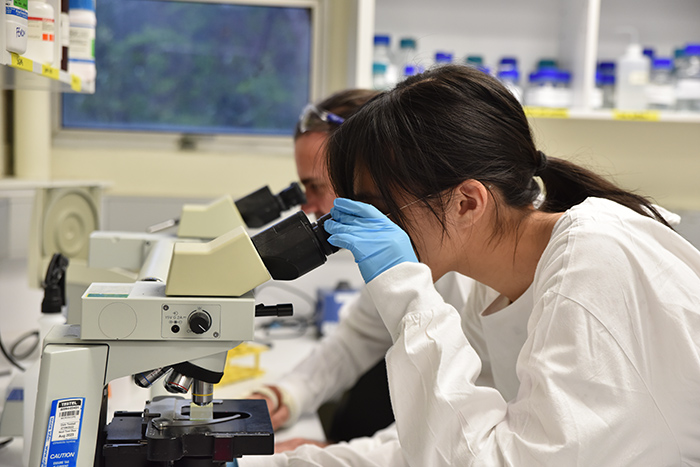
164,433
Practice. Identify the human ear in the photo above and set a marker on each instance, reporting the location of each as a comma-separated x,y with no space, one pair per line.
471,198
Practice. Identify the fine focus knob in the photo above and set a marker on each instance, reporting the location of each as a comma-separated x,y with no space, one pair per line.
199,321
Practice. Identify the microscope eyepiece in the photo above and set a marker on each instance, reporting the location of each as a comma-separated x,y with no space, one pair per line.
262,207
294,246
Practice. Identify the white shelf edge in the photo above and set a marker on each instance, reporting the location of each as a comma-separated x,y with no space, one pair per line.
72,82
615,115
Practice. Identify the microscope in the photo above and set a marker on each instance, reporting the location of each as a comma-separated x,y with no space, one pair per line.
180,331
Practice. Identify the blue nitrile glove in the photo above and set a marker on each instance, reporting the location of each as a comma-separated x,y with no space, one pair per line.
375,241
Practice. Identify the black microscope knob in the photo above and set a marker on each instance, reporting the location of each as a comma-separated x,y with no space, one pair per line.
199,321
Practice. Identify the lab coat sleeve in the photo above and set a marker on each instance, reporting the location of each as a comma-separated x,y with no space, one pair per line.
380,450
577,388
335,364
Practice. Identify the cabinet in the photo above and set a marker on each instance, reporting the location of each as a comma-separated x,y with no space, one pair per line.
23,73
577,33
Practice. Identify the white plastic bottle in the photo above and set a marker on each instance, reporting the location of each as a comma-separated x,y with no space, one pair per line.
379,78
688,80
16,26
382,56
631,79
40,32
81,53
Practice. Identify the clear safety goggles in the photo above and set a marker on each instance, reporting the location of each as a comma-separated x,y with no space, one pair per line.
314,119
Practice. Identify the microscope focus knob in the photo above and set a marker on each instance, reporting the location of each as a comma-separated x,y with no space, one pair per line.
199,321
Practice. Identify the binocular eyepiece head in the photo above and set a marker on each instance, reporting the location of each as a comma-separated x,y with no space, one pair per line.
294,246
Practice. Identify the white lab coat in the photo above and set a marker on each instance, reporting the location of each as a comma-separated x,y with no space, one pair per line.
609,373
357,344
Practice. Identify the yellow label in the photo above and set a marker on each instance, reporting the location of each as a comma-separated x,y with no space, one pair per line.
49,71
639,116
546,112
75,83
22,63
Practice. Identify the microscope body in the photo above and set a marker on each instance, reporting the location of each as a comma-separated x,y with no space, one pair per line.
189,322
127,329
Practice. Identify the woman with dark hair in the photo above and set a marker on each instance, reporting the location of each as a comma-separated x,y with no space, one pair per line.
609,373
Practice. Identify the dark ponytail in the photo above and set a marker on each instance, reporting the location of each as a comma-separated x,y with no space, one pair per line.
567,184
450,124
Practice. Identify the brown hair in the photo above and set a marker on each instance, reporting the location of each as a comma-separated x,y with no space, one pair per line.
343,104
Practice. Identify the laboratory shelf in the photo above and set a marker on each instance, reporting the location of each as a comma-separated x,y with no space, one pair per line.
24,72
613,114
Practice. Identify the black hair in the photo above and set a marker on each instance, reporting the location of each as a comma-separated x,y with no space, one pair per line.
343,104
454,123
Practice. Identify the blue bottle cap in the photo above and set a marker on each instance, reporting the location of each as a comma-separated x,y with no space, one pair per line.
82,5
509,61
381,39
407,43
601,79
548,74
662,64
443,57
510,75
692,49
410,70
649,52
606,67
378,68
534,77
564,76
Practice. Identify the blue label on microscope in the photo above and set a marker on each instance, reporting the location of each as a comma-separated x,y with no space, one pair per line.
63,433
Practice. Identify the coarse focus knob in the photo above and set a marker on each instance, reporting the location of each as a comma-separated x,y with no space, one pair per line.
199,321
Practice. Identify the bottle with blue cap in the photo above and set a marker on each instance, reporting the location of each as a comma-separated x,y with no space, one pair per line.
543,89
509,75
661,93
603,96
382,56
688,80
443,58
407,55
81,48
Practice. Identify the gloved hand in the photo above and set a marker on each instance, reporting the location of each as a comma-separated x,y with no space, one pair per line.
375,241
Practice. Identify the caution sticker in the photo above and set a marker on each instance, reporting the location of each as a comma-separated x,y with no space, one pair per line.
63,433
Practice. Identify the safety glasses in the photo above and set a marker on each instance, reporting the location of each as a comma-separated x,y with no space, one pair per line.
314,119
